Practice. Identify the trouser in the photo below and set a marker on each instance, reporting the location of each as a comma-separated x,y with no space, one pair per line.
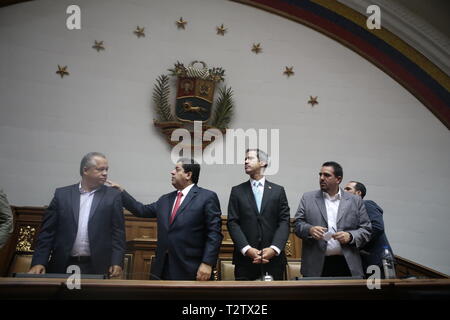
335,266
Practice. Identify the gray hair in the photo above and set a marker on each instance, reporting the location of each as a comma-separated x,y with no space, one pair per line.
88,160
261,155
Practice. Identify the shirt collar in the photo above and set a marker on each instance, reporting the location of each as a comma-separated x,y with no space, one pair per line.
337,196
262,181
82,191
186,190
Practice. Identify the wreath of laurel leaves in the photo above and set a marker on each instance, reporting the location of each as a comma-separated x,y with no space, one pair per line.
161,94
224,108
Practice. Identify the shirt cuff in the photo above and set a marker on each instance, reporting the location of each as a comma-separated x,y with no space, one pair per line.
244,249
278,251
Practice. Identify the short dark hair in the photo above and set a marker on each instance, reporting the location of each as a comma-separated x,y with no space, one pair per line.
190,165
261,155
87,160
338,172
361,188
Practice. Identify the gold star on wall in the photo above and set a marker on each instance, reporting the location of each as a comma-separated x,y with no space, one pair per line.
181,23
221,30
257,48
312,101
62,71
139,32
98,46
288,71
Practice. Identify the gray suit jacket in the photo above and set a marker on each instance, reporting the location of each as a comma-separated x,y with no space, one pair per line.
352,217
6,219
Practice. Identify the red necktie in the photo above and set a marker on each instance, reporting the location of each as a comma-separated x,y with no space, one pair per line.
177,205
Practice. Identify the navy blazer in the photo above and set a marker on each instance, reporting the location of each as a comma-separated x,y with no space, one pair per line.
106,230
372,252
193,237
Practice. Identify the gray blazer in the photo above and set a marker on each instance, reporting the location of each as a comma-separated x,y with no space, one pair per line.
352,217
6,219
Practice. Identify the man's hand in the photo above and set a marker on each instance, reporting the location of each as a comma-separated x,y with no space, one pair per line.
114,185
343,237
204,272
317,232
255,255
37,269
115,271
267,255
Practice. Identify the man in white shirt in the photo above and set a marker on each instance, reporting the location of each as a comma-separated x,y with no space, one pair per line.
189,226
333,225
83,225
258,222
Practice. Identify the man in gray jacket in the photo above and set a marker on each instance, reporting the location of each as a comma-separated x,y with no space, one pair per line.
333,225
6,219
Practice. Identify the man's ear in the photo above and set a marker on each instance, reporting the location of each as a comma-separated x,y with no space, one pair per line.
359,193
263,164
189,175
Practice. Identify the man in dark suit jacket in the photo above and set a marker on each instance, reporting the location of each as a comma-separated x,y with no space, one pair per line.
189,226
84,225
371,253
258,222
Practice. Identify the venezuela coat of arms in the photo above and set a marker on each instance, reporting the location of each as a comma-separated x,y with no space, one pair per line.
196,86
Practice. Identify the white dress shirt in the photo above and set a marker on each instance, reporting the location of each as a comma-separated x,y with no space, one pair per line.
332,206
260,185
185,191
81,244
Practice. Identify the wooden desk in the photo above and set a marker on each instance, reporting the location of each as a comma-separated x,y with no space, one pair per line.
20,288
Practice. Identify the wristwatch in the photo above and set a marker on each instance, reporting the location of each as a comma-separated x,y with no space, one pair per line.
351,237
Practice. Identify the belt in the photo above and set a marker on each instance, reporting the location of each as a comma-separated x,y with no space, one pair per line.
80,259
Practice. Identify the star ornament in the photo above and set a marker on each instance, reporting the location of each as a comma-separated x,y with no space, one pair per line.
181,24
98,46
288,71
139,32
256,48
62,71
221,30
313,101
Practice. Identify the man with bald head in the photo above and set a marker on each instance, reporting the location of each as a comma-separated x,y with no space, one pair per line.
83,225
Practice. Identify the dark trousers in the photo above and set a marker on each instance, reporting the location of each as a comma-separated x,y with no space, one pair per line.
166,270
85,264
335,266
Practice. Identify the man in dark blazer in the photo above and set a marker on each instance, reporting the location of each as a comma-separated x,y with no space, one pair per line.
83,225
371,253
189,226
258,222
333,225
